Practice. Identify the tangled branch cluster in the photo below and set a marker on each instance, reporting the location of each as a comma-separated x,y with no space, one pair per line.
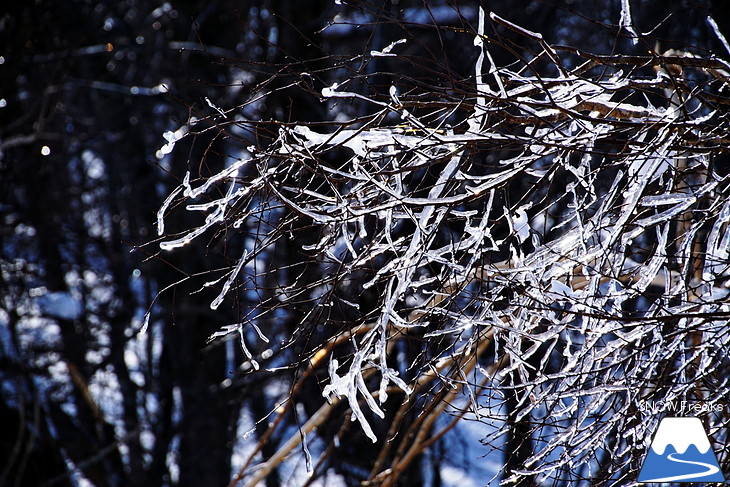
563,238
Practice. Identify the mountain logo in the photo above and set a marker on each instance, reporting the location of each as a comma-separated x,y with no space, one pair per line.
680,452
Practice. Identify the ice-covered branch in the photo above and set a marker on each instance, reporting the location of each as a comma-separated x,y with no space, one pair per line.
561,224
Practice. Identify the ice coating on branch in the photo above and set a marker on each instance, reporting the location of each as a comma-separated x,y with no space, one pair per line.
386,50
330,91
171,138
718,247
718,33
216,208
667,199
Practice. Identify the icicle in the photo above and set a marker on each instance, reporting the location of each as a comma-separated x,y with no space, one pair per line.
245,350
232,277
163,209
348,386
145,322
258,331
307,455
475,122
625,21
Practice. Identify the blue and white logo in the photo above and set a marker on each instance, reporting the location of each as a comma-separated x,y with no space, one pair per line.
681,451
